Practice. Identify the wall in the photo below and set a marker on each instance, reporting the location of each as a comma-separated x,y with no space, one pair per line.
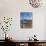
12,8
45,28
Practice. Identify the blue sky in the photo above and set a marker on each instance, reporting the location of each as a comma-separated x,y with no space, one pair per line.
26,15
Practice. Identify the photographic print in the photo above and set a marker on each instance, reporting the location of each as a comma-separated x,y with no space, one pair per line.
26,19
